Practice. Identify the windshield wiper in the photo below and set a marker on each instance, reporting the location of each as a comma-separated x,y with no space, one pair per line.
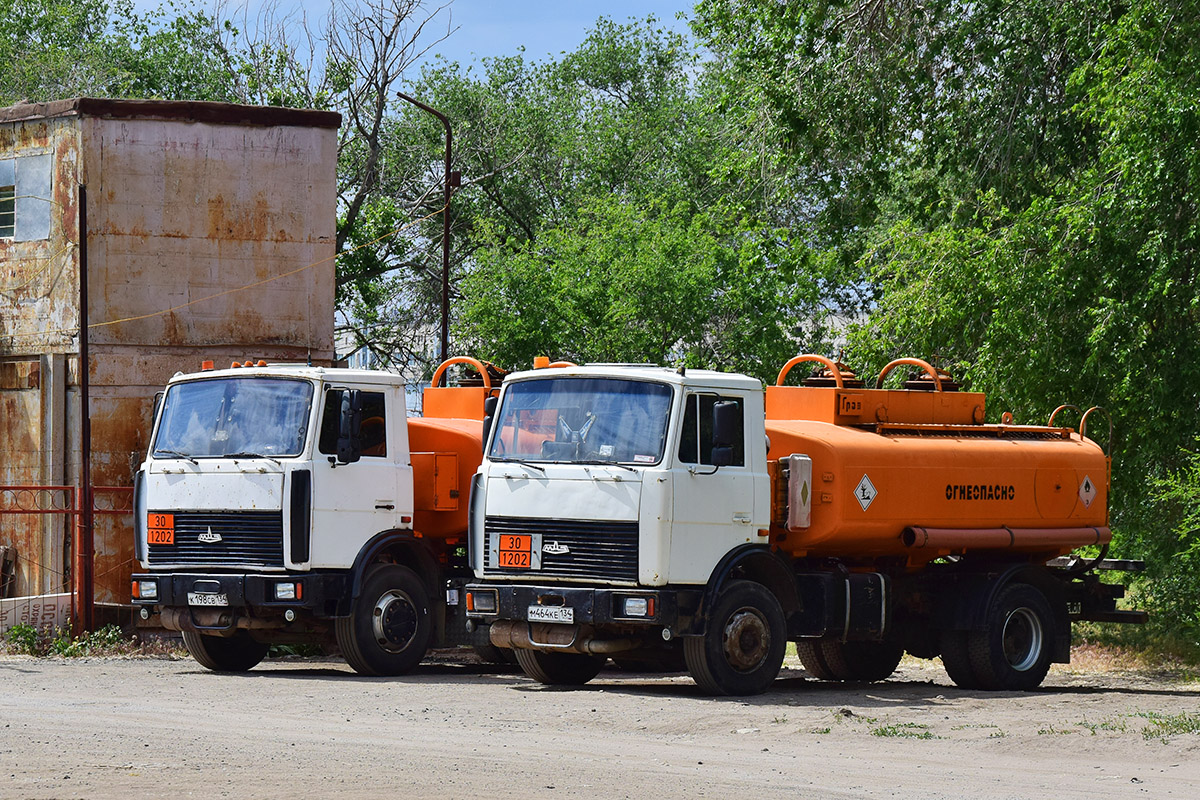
177,454
247,454
598,463
522,463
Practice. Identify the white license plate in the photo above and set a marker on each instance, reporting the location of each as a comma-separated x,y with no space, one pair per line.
207,599
551,614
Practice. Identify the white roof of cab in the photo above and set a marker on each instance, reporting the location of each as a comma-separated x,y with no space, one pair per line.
302,371
645,372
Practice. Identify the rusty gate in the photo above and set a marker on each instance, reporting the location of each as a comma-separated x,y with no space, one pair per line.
27,514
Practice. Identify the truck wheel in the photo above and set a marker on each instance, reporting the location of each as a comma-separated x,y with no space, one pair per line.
388,630
813,660
237,653
956,658
1013,652
865,662
742,650
490,654
559,669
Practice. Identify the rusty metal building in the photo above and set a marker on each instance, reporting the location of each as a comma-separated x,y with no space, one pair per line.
210,236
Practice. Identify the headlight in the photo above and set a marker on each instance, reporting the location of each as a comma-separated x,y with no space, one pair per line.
288,591
145,590
482,602
637,607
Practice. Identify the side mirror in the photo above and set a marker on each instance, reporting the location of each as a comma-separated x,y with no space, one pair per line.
726,424
489,415
349,443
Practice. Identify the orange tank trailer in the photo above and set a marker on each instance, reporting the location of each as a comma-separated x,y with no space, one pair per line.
446,446
931,479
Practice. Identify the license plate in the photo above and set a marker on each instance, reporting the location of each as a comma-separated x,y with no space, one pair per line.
207,599
551,614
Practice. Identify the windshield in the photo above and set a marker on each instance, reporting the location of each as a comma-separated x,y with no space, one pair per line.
582,420
224,416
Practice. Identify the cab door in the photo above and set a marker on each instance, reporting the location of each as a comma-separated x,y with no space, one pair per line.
353,502
713,507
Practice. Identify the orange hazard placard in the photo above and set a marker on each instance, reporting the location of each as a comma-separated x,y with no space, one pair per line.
160,528
515,550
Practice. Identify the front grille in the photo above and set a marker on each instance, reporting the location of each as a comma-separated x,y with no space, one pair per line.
248,539
595,549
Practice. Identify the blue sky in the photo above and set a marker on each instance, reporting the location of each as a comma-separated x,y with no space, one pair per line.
499,27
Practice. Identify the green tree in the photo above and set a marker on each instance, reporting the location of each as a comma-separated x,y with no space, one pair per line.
1013,188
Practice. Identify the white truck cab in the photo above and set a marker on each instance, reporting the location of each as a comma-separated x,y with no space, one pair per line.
598,484
276,504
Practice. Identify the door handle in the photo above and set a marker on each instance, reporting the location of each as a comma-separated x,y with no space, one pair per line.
741,517
385,507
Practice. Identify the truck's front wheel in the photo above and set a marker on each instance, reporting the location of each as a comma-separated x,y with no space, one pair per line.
566,669
742,650
236,653
388,631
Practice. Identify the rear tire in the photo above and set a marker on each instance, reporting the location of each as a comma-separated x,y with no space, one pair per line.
862,662
1013,653
742,650
956,658
389,628
237,653
559,669
813,660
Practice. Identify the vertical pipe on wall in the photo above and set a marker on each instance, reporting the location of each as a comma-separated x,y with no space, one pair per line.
85,549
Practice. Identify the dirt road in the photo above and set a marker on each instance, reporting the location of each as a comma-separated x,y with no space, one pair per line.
112,728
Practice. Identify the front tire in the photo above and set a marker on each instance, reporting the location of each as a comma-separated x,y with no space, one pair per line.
389,628
742,650
1014,651
237,653
559,669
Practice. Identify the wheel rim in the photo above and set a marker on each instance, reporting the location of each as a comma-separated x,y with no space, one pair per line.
1022,639
746,639
394,621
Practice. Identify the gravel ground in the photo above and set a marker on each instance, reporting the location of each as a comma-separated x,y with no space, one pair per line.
117,728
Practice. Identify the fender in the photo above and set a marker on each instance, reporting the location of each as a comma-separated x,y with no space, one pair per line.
413,553
754,562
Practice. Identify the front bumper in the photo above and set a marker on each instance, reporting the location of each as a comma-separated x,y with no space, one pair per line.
322,594
672,609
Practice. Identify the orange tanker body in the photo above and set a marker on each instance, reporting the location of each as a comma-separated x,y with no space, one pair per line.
929,478
446,446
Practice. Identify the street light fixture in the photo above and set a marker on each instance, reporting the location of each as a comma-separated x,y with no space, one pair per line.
452,180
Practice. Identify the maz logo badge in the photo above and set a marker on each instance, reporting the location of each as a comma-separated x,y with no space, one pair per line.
555,549
208,537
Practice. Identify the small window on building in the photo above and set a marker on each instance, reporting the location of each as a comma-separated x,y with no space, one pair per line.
8,211
374,424
699,429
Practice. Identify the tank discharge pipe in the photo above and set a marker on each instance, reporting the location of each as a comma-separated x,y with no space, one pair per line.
1004,538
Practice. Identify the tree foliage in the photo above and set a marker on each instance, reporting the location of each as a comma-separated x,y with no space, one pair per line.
1013,185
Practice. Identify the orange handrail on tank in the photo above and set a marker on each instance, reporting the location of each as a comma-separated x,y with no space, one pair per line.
1063,407
912,362
477,364
828,362
563,364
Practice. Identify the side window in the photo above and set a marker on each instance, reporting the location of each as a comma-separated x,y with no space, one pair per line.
8,213
25,197
697,430
374,424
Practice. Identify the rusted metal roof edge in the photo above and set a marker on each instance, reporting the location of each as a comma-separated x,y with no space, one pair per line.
181,110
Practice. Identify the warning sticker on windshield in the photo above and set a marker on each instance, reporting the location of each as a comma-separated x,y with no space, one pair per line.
644,459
